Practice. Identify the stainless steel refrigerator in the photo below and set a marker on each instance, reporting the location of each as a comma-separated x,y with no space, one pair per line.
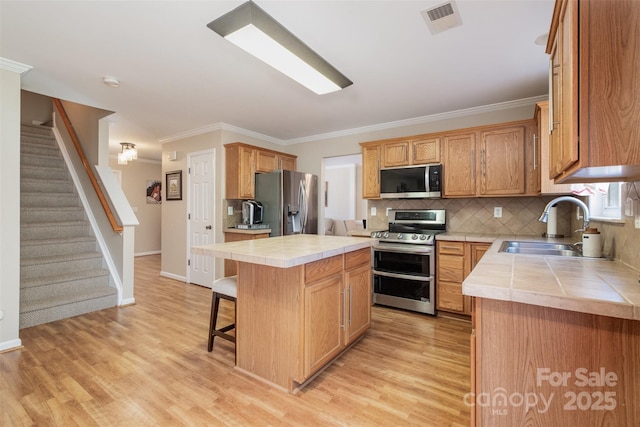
289,200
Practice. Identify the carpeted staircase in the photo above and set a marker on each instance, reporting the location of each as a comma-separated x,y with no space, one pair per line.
62,272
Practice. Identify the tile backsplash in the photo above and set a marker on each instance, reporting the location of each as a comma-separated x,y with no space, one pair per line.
621,241
519,214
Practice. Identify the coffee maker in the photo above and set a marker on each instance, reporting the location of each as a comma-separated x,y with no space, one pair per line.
252,212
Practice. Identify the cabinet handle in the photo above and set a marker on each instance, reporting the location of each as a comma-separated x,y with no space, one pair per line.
473,163
344,307
535,157
350,304
450,247
482,161
378,169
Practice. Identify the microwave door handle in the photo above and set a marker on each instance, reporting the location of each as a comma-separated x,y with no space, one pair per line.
426,179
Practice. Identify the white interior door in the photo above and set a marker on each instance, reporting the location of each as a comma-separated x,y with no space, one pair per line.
201,215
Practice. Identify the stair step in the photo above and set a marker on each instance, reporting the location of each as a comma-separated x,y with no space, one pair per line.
66,305
45,200
68,276
28,159
59,264
39,214
41,149
39,139
37,248
35,130
43,172
29,185
55,230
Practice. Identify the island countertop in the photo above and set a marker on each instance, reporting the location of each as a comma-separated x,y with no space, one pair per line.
587,285
284,251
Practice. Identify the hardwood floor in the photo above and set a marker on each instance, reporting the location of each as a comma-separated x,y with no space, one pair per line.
147,364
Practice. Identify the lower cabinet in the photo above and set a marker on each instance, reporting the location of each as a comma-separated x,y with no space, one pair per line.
337,306
231,267
454,262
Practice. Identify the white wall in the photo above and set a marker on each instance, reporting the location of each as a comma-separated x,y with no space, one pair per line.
339,192
9,209
135,175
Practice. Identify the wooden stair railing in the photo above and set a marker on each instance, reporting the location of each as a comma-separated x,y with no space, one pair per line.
87,167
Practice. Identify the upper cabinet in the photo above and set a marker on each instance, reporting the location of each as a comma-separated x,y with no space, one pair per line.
269,161
425,150
242,161
459,165
594,81
408,152
547,186
371,171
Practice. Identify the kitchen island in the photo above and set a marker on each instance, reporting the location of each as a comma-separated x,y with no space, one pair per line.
555,341
302,300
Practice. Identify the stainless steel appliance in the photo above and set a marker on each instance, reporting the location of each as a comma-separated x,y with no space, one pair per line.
290,201
411,182
404,259
252,212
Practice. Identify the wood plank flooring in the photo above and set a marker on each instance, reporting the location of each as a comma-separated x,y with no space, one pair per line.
147,364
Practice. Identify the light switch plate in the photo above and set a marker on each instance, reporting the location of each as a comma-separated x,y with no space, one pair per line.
497,212
373,211
637,221
229,210
628,207
387,211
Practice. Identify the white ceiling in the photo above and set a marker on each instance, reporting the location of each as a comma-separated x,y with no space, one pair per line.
178,76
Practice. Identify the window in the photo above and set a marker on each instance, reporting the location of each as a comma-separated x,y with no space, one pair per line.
605,201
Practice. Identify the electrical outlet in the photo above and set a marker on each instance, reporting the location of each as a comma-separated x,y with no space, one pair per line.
497,212
387,211
637,221
373,211
628,207
229,210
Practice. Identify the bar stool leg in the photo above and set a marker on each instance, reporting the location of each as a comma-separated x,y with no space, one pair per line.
215,305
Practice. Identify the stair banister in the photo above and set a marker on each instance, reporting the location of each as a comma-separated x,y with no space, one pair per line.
76,142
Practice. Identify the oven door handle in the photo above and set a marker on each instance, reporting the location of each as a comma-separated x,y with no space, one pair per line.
403,276
420,250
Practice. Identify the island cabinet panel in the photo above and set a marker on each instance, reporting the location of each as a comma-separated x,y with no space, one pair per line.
323,322
357,294
269,315
541,366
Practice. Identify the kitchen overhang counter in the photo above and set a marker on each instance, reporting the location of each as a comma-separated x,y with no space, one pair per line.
587,285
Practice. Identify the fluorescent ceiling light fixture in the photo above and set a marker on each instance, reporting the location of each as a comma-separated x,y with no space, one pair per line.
254,31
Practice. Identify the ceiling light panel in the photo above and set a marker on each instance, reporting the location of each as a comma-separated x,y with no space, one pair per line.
253,30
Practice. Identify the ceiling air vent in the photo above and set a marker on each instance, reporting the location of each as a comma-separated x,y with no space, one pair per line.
442,17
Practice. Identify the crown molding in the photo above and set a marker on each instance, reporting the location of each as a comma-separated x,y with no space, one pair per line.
16,67
354,131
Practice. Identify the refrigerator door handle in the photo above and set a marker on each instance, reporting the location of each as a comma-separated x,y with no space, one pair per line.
302,193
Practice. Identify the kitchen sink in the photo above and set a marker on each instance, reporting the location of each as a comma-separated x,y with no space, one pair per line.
539,248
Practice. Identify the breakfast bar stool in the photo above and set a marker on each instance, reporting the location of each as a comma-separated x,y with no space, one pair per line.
225,288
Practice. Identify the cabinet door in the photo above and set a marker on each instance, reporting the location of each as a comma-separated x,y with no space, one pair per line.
547,186
324,322
396,154
358,298
287,163
502,162
266,161
459,165
240,167
450,268
450,296
371,172
424,151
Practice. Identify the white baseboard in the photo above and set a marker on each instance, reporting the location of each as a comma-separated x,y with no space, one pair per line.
173,276
127,301
10,345
147,253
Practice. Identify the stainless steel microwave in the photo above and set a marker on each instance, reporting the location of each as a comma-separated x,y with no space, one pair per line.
411,182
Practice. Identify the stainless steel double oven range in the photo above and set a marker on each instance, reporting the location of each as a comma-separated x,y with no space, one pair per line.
404,259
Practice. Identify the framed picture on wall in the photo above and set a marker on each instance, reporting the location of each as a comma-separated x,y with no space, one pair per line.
173,184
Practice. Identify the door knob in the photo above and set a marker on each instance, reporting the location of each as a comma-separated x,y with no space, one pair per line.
208,227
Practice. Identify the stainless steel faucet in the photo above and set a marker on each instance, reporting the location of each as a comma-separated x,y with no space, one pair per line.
545,215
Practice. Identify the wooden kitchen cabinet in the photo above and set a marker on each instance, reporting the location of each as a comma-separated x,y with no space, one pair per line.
547,185
269,161
396,154
240,167
565,357
231,267
459,165
594,81
337,306
454,261
371,157
242,161
425,151
502,163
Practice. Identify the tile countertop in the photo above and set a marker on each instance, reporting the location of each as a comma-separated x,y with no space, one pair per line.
284,251
586,285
